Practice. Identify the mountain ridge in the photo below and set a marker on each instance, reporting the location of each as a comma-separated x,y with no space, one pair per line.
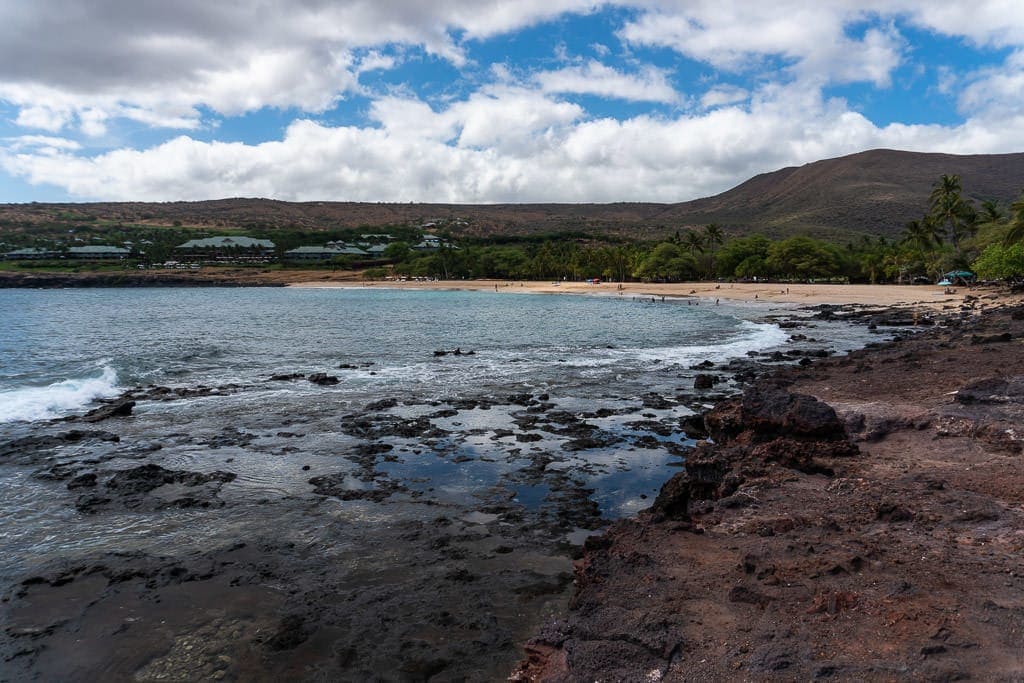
870,192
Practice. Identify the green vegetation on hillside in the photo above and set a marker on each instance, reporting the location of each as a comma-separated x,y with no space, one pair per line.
951,234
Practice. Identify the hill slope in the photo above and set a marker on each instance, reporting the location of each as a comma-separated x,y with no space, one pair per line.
872,192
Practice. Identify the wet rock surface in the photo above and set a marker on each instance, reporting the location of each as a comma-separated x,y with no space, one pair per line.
396,539
302,586
856,519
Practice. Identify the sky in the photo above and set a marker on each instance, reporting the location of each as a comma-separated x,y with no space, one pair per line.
487,101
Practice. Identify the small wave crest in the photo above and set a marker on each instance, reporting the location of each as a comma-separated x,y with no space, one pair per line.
44,403
752,337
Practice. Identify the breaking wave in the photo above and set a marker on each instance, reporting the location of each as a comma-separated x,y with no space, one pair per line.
753,337
57,399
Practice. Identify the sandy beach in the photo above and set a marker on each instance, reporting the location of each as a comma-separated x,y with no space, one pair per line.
880,295
930,296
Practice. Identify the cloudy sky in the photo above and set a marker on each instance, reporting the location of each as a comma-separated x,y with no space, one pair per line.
486,100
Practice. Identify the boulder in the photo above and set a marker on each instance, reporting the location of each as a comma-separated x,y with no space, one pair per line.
771,412
323,379
993,390
703,381
287,377
119,408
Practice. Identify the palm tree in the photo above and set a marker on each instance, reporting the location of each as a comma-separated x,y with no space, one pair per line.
1016,233
991,212
950,210
693,242
923,233
713,237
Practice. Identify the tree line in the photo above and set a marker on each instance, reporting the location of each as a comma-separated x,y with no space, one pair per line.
952,234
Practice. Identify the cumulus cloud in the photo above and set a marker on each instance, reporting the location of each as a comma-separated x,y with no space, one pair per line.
723,94
810,37
463,154
995,91
169,59
513,138
40,142
650,84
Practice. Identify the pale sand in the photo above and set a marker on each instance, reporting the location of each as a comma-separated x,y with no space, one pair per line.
877,295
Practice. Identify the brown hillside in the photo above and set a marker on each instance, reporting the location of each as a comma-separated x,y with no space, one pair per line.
873,192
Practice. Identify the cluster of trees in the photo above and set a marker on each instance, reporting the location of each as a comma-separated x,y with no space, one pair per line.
703,254
951,235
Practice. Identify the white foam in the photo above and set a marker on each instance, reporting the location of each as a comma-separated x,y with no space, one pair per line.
756,337
57,399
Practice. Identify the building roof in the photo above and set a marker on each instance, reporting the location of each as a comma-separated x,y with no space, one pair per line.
30,251
98,249
334,251
227,241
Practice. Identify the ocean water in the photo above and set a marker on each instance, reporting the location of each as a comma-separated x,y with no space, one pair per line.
491,466
61,349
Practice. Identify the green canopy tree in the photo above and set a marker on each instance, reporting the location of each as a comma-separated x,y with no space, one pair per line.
1001,262
667,261
736,251
803,257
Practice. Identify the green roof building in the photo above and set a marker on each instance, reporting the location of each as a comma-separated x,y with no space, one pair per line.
31,254
98,252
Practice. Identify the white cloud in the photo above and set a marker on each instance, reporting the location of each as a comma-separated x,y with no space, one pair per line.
40,142
166,60
995,91
514,139
650,84
722,95
505,145
997,23
43,117
810,37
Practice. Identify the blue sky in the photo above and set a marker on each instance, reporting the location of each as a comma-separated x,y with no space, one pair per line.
483,101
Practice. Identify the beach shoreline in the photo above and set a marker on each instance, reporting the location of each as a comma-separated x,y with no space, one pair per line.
749,292
927,296
626,580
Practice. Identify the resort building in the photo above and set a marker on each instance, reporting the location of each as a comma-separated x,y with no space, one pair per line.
322,253
32,254
376,250
226,248
432,243
98,252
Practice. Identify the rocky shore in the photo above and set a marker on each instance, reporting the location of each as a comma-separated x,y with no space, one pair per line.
855,518
214,531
